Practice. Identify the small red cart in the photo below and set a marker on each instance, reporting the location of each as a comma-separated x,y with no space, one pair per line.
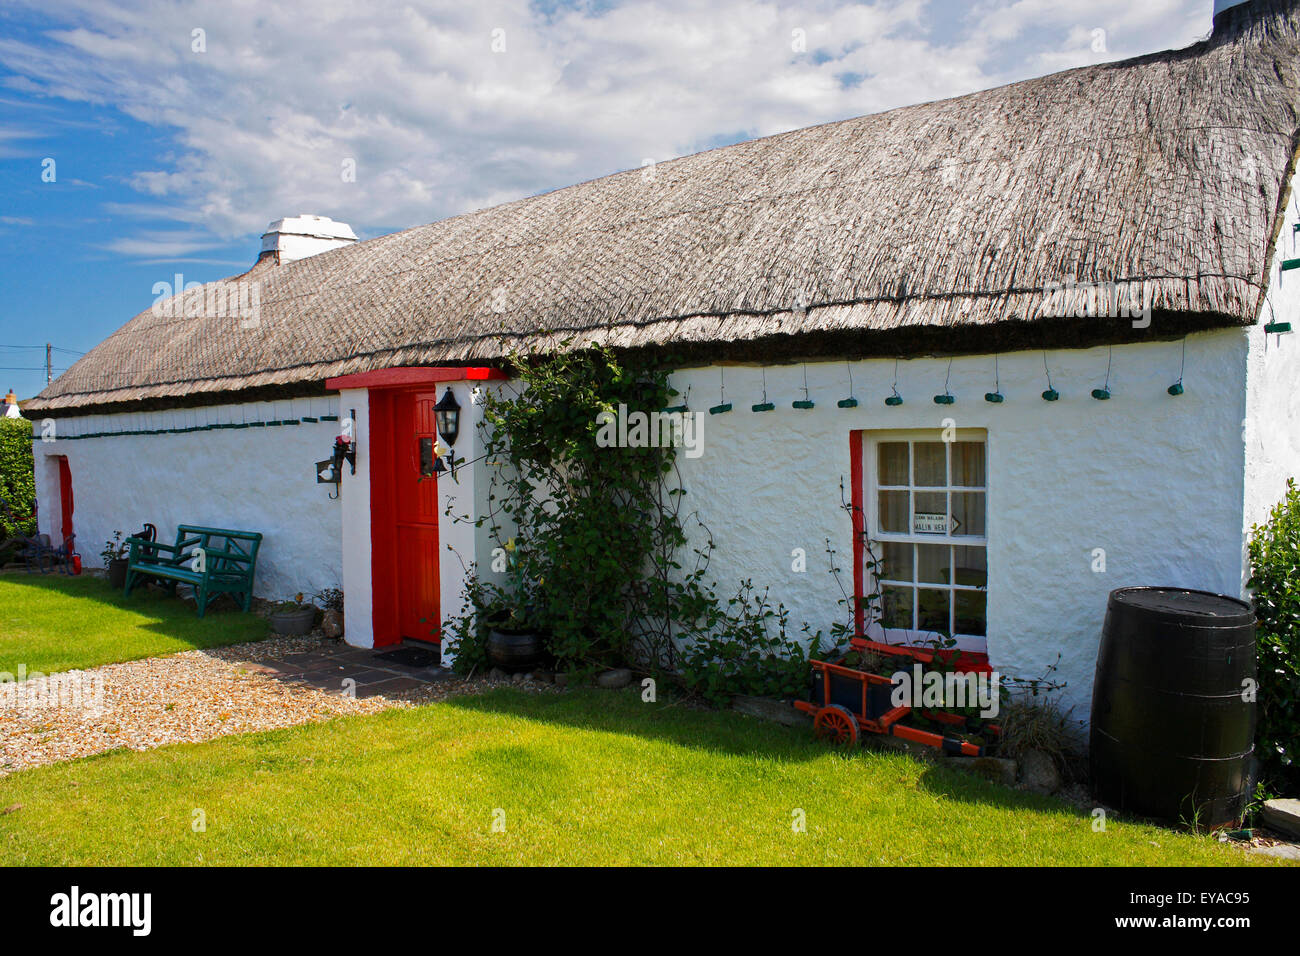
847,701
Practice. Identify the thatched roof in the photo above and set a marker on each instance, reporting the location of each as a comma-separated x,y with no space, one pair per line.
939,219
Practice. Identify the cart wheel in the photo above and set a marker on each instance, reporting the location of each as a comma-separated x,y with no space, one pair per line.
837,725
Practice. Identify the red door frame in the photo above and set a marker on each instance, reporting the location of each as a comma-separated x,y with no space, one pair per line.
383,519
384,388
66,501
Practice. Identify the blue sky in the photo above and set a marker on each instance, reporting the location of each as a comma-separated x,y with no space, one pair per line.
178,130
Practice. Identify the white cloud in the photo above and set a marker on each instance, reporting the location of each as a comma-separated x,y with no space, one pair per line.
437,123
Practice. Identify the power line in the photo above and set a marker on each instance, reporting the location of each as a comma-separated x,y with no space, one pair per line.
52,348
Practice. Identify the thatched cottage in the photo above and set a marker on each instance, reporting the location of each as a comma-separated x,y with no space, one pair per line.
1079,286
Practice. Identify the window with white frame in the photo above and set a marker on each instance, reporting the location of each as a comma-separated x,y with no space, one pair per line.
926,504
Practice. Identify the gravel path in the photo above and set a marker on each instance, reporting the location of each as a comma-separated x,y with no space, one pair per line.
181,698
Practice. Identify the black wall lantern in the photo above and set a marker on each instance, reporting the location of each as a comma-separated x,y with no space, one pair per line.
447,413
330,471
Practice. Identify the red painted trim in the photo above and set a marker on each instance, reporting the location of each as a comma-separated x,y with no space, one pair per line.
414,376
383,532
66,501
859,531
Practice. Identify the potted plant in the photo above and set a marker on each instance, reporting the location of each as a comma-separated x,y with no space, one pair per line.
115,560
513,643
293,617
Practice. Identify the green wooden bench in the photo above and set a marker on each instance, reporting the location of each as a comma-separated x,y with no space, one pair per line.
213,561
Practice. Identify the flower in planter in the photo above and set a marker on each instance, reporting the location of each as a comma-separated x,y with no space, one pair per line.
115,549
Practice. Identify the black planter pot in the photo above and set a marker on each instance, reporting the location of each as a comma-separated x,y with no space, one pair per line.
117,573
514,650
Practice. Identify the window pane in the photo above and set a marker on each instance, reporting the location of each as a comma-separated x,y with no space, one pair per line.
968,464
426,457
894,512
931,464
896,607
896,561
931,513
968,509
933,610
972,567
893,463
971,618
932,563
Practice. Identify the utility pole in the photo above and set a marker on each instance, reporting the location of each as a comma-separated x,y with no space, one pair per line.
49,363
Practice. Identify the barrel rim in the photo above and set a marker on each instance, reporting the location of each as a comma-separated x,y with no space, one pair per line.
1246,616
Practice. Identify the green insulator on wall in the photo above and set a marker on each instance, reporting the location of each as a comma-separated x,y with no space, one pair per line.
720,409
1175,389
893,401
763,407
847,403
945,400
803,405
1051,395
994,398
1101,394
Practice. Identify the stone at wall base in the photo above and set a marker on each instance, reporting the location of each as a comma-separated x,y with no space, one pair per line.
1038,773
1283,816
613,680
332,624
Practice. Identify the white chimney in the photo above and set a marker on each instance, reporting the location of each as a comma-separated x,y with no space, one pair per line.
298,237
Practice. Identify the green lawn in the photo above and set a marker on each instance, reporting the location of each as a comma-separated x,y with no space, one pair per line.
588,777
53,622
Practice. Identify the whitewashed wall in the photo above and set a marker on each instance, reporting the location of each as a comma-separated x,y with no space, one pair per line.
1273,386
1154,480
253,479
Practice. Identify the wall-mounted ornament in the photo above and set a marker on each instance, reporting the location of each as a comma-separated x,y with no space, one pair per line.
723,405
1051,395
947,398
893,401
1176,389
764,405
1103,394
995,397
807,402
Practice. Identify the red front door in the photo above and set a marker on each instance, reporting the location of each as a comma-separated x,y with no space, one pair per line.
415,510
65,500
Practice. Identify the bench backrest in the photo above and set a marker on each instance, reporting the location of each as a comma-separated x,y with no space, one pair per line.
244,543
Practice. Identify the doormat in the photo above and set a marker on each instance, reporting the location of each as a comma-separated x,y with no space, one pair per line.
412,657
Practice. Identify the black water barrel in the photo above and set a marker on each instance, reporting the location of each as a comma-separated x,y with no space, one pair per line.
1173,734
